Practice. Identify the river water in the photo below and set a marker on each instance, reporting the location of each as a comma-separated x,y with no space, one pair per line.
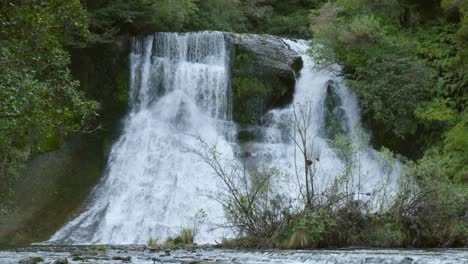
139,254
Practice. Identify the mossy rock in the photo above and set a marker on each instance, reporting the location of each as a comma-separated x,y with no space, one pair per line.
264,69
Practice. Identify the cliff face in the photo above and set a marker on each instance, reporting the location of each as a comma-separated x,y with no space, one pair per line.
54,185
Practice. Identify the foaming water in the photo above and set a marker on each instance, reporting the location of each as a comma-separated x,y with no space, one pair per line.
154,186
370,171
140,255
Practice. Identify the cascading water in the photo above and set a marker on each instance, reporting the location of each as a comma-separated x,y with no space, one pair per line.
154,186
367,173
180,89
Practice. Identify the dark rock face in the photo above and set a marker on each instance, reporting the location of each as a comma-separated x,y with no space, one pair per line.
335,118
52,187
264,70
104,75
56,183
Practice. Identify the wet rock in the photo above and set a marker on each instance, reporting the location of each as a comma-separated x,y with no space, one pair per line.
32,260
78,258
123,259
271,53
61,261
246,136
155,260
373,260
406,260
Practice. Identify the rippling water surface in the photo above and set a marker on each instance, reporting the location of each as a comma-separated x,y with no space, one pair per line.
139,254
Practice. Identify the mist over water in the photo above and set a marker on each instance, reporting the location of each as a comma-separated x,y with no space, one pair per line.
180,88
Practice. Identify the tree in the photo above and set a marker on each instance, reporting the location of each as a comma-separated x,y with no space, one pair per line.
135,17
40,104
304,141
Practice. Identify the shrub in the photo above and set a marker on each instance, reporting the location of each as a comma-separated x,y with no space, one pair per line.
308,229
101,248
152,242
431,208
186,236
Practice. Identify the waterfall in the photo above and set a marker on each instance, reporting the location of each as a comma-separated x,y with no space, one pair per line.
153,185
180,88
369,172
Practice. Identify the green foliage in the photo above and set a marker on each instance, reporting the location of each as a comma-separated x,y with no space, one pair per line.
455,151
280,17
152,242
110,18
283,17
225,15
406,62
438,49
389,90
293,25
436,110
383,232
389,83
101,248
404,66
308,230
430,206
459,9
39,101
186,236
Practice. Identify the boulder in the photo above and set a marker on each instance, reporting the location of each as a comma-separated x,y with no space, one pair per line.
264,70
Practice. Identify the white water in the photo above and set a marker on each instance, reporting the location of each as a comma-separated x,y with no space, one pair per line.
138,255
180,88
154,186
370,172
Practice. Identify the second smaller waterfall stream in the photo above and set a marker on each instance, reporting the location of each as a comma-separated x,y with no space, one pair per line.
369,172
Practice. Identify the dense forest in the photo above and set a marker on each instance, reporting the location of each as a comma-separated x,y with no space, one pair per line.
406,60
